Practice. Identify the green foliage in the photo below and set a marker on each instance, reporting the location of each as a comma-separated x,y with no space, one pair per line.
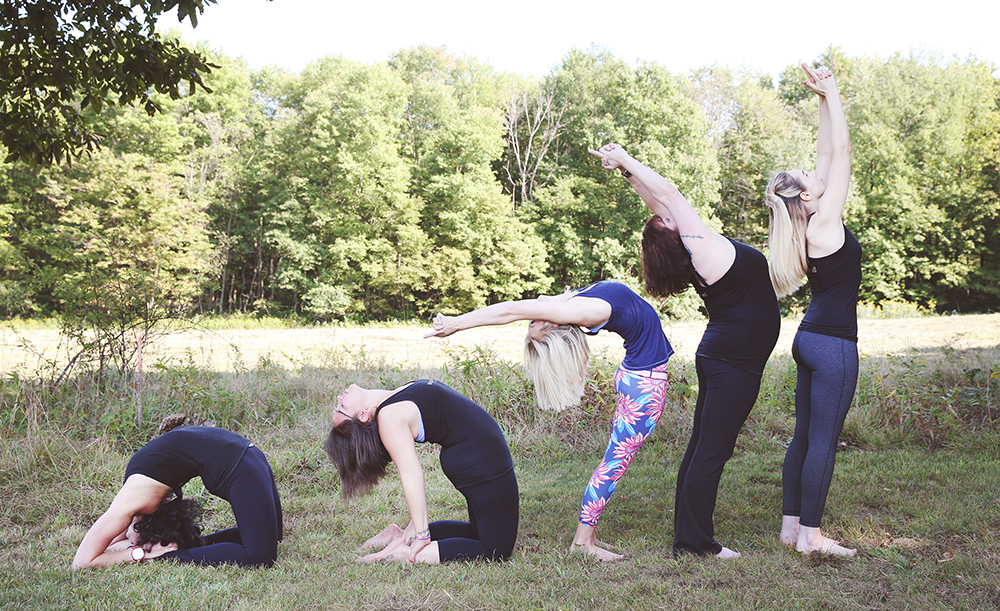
920,129
930,399
61,58
114,244
590,219
764,136
432,183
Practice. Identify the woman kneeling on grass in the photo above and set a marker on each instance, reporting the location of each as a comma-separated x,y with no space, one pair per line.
142,524
372,427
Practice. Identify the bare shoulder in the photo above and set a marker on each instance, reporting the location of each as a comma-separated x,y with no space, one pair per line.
824,235
140,494
403,411
713,258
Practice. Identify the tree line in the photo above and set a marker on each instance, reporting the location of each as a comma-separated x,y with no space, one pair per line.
432,182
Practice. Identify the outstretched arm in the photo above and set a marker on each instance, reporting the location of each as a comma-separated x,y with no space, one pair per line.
833,164
559,309
711,254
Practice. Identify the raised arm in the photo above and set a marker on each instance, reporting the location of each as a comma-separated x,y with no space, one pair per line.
824,144
562,309
711,254
824,234
396,424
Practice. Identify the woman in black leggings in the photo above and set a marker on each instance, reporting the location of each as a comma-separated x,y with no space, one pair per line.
143,523
732,278
372,427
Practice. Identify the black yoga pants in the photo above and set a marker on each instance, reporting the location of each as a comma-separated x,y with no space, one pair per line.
257,509
492,527
726,394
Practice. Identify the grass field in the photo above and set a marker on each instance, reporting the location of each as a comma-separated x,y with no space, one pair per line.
916,485
227,349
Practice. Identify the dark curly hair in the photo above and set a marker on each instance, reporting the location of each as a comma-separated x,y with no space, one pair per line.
174,522
356,450
666,263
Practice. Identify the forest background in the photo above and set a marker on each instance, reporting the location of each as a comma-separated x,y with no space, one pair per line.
431,182
363,193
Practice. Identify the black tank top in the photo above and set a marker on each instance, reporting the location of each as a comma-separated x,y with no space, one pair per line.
834,281
186,452
743,315
473,449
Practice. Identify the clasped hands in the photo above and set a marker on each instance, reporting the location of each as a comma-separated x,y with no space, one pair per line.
612,156
441,327
820,81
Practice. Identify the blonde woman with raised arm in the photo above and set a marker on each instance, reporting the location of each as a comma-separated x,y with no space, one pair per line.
808,239
556,354
742,329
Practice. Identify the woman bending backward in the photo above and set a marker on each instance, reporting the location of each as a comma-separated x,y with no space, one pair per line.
678,250
808,239
557,355
372,427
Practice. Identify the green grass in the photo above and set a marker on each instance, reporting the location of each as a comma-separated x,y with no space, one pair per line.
916,493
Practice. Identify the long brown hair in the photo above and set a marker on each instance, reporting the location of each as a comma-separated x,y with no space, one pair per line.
666,263
356,450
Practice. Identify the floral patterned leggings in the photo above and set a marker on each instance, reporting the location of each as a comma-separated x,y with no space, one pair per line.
640,405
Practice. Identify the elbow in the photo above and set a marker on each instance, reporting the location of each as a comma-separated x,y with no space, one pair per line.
843,148
665,193
508,313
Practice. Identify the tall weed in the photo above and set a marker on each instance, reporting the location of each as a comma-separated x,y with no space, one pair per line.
929,399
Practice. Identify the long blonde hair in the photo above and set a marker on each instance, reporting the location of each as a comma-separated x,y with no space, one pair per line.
558,366
787,233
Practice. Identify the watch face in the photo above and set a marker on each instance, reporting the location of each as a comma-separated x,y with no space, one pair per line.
138,554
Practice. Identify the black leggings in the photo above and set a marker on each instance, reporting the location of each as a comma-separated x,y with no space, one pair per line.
726,395
257,509
827,377
492,527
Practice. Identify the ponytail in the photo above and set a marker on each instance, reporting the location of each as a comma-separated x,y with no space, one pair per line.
786,233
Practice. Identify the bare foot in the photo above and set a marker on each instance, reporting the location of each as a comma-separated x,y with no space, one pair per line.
384,538
812,540
396,550
789,530
827,546
585,541
593,549
728,554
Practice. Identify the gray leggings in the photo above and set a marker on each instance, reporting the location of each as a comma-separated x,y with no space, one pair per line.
827,377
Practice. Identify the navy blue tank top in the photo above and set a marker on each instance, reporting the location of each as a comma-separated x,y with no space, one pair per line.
834,281
473,449
186,452
635,321
743,315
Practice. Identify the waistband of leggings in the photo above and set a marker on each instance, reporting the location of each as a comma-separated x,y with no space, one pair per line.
649,373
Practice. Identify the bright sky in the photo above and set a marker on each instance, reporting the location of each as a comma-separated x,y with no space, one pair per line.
530,37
